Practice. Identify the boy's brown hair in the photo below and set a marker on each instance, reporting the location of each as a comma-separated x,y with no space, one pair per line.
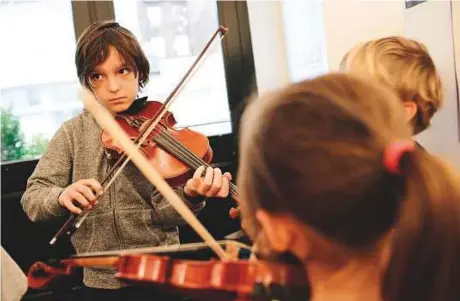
93,47
406,66
315,150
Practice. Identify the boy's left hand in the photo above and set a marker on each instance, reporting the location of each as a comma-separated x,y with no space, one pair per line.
213,184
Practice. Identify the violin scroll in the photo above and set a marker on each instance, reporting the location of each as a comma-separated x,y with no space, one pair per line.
42,275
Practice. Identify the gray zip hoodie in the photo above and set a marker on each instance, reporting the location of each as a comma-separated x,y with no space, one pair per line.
130,214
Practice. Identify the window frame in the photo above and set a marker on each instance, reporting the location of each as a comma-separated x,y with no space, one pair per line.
239,76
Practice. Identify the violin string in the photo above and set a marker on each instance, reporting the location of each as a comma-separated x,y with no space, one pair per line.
184,153
187,154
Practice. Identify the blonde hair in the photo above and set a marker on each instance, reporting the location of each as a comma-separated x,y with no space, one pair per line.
406,66
315,150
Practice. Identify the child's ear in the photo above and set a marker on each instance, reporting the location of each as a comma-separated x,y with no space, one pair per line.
277,229
410,109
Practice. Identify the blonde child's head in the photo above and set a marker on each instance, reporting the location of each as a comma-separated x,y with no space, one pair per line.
406,66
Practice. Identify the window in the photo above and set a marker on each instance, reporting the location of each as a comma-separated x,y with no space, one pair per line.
40,89
172,34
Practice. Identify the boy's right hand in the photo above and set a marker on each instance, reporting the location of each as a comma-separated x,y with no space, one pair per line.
80,193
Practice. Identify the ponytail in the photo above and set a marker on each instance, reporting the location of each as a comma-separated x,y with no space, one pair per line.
425,257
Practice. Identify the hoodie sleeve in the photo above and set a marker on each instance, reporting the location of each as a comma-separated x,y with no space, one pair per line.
51,175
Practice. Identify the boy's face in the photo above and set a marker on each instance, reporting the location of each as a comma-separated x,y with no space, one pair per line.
115,84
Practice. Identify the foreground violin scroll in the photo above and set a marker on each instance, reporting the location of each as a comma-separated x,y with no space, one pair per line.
107,122
213,279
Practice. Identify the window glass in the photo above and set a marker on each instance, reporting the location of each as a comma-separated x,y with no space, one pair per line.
172,34
39,91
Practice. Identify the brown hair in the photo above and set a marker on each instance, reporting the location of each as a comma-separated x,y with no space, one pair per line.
314,150
93,48
406,66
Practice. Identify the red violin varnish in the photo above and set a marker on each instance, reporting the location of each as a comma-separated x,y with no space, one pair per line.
213,279
175,154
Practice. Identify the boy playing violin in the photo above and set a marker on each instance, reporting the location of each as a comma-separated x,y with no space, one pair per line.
131,213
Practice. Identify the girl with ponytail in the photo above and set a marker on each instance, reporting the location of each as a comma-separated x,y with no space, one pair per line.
329,172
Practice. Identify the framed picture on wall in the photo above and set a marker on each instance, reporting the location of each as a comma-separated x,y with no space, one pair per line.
412,3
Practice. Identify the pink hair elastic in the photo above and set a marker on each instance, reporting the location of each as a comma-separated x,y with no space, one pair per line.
393,154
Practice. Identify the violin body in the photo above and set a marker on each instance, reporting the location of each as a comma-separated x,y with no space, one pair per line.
236,280
166,148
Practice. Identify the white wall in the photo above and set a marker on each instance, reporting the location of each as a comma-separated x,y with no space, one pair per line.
285,34
349,22
305,38
443,137
266,22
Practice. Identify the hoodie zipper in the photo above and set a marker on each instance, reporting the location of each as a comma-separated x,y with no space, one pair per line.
115,224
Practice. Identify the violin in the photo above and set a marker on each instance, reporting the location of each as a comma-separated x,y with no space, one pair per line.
173,153
207,279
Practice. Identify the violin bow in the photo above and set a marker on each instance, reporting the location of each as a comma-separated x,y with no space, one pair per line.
70,226
165,249
107,122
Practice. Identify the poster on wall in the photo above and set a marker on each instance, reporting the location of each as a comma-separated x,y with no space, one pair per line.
412,3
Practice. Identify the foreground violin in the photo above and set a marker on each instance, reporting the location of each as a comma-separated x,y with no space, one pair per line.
210,279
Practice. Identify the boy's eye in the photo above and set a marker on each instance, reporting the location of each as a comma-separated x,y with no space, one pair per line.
95,76
124,70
